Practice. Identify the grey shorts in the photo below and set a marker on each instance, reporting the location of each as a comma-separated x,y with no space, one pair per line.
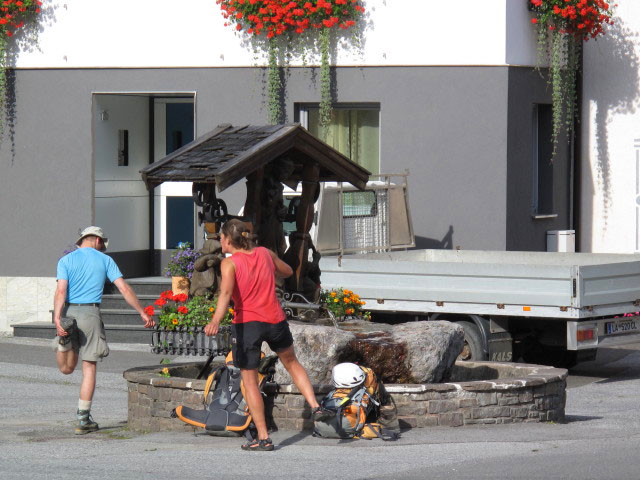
92,340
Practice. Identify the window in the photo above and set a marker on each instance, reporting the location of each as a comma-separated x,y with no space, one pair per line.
180,221
123,148
354,131
359,204
542,161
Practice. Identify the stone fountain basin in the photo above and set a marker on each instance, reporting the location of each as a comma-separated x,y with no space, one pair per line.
477,393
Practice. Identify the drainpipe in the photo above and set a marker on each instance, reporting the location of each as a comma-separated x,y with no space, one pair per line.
575,173
152,253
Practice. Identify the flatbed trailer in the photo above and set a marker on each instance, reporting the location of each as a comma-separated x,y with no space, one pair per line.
558,306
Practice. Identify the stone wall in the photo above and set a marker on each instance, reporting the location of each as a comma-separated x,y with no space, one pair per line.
515,393
24,300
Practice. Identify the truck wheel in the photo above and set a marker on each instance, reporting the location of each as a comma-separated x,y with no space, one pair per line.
472,350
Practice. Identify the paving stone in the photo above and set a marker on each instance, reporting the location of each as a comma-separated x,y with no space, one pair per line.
427,421
452,419
440,406
485,399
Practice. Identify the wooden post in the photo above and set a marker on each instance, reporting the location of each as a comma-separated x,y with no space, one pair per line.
304,219
253,203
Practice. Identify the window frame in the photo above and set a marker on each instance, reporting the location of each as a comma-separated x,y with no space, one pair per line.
535,197
301,115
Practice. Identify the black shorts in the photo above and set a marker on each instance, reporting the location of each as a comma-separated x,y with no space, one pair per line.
248,337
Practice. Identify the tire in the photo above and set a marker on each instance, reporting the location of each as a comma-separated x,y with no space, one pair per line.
473,345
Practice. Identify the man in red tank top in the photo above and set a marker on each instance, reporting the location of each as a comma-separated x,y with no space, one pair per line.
248,276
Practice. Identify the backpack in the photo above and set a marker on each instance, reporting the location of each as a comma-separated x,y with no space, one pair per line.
227,414
354,412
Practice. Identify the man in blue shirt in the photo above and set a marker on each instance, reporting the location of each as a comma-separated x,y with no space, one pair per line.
80,333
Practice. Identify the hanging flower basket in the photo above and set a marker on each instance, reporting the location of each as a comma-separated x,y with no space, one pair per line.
290,19
14,14
190,341
563,25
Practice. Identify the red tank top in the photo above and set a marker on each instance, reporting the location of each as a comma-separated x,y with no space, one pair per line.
254,294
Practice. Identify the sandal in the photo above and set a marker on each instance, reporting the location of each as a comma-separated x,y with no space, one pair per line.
265,445
320,414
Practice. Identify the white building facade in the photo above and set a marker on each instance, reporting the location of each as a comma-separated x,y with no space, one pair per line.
113,85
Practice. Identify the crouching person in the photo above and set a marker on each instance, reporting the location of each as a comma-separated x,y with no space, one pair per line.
81,276
248,276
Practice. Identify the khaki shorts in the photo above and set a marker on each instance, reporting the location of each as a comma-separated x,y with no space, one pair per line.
92,340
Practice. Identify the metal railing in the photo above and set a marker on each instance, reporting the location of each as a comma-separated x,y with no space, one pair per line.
193,341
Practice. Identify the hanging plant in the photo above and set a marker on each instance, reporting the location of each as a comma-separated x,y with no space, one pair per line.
293,20
563,25
13,16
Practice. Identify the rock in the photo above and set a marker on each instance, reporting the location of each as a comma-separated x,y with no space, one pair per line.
318,348
432,348
414,352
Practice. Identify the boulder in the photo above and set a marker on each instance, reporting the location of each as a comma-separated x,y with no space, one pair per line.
414,352
318,348
432,348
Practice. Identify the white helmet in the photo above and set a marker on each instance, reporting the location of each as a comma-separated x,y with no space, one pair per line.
347,375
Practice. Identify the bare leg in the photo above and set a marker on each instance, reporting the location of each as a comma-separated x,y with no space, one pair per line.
255,402
298,374
67,361
88,380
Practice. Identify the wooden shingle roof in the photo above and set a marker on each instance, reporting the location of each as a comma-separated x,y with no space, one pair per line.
228,154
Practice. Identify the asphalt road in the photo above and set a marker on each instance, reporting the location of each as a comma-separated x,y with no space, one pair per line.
600,439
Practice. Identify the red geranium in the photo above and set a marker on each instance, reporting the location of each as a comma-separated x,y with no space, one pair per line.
167,295
277,17
181,297
13,13
182,309
583,19
149,310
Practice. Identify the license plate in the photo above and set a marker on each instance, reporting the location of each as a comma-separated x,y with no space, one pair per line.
621,326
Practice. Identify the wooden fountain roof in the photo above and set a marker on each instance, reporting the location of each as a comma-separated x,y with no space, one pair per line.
228,154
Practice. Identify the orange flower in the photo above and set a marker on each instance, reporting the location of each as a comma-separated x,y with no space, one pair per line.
174,321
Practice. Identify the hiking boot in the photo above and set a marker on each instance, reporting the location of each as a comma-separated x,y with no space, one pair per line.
69,325
85,423
320,414
67,342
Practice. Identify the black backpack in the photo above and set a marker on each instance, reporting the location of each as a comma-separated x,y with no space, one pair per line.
227,414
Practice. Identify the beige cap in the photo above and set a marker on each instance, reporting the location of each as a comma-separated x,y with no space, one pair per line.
96,231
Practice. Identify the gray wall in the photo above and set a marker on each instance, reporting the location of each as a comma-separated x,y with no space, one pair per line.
447,125
527,87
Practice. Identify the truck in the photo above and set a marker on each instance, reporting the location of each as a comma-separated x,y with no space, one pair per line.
538,307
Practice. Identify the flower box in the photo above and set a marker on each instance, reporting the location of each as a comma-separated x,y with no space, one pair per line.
190,341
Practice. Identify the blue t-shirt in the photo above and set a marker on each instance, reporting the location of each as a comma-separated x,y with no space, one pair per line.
86,270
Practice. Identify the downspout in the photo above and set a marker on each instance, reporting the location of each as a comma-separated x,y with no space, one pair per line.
152,252
575,173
